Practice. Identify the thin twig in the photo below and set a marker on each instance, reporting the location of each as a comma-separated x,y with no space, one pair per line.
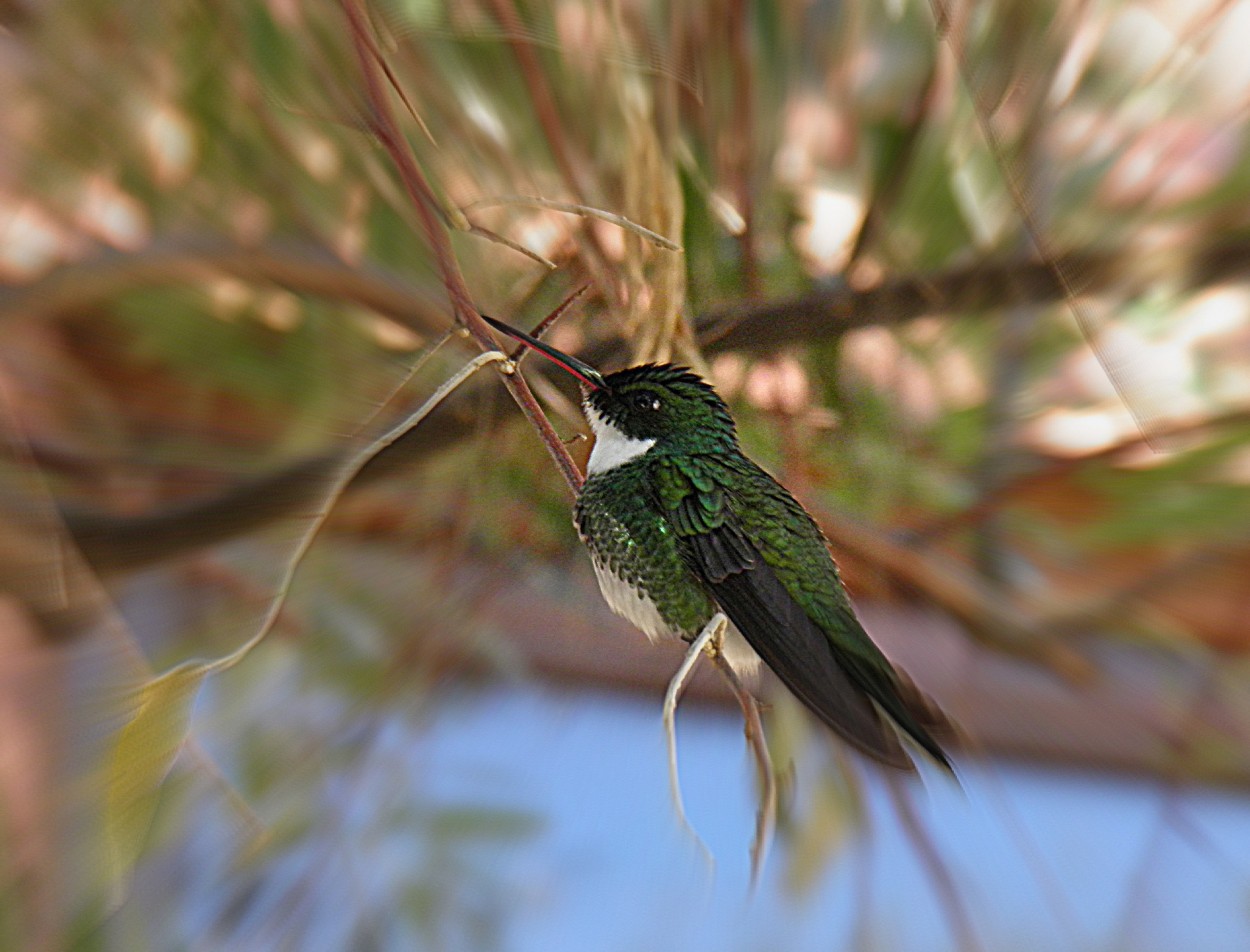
707,641
521,351
574,208
943,881
382,124
766,815
368,37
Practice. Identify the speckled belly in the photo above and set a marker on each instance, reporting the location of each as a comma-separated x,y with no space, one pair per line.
638,609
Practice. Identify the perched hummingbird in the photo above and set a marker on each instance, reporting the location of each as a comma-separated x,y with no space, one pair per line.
681,524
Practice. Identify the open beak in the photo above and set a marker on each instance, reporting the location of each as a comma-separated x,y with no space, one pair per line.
583,372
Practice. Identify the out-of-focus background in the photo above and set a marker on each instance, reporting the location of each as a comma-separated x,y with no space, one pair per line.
975,279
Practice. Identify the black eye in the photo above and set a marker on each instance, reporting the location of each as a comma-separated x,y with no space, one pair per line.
645,401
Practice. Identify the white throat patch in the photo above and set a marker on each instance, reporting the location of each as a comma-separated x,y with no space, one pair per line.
612,447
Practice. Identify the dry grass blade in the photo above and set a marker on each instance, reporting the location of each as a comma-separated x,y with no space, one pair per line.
149,742
345,476
509,243
573,208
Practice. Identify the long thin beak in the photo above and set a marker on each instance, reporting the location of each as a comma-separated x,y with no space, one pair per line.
583,372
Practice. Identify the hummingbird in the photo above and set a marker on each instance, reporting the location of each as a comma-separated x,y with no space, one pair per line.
681,525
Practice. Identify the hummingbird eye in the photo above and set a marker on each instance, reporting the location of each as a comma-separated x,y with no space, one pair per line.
642,400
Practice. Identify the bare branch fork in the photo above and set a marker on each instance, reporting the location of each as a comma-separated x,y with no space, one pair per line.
381,122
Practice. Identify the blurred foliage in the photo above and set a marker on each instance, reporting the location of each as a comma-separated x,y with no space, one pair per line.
196,228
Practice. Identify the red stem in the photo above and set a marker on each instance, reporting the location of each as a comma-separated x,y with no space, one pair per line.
381,122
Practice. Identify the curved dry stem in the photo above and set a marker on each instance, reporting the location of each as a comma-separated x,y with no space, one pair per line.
344,476
708,640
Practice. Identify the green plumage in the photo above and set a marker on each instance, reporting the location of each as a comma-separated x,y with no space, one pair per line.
632,538
680,525
648,520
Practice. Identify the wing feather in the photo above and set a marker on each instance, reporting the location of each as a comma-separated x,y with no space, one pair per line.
796,650
842,687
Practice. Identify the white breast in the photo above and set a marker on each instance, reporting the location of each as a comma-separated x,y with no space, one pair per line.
641,612
631,604
612,447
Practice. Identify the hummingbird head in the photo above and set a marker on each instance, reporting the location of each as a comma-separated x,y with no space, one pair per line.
635,409
666,403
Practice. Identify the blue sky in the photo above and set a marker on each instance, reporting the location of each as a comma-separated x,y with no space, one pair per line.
1042,859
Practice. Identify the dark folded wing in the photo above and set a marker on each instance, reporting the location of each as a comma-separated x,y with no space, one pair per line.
788,641
823,656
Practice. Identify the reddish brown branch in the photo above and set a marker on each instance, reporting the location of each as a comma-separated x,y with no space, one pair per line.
381,122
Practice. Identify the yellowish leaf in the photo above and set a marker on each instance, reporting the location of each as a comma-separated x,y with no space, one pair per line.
140,761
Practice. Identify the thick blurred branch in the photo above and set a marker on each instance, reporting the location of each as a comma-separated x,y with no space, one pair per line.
754,327
981,286
1117,721
300,267
113,543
